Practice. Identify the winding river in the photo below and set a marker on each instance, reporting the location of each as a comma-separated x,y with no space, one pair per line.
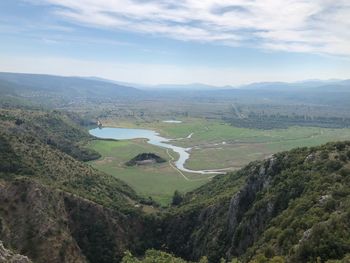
153,138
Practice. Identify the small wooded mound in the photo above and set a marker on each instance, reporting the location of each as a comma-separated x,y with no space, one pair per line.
144,159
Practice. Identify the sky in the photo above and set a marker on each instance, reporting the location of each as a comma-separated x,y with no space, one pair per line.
216,42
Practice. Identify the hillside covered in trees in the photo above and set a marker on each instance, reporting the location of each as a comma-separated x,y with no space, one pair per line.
291,207
294,205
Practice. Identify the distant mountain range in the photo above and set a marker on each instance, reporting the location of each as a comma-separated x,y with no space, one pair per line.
58,91
312,83
192,86
99,86
63,86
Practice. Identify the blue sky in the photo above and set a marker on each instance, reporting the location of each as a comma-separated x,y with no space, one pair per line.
218,42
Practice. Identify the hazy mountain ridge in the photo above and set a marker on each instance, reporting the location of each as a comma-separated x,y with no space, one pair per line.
62,92
66,86
89,86
304,84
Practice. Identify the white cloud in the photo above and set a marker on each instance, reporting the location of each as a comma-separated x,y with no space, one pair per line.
318,26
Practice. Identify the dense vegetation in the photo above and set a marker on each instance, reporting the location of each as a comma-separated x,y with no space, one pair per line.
155,256
57,129
42,145
294,206
50,200
144,158
291,207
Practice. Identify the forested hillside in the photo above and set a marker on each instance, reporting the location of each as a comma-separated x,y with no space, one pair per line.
54,208
294,205
291,207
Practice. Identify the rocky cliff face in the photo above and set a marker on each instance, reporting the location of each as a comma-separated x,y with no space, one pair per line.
259,179
54,208
53,226
7,256
102,235
286,203
214,230
34,222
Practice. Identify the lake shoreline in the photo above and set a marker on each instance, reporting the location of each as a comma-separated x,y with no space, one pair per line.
152,137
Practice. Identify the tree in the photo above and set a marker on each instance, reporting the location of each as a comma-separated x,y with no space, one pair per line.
177,198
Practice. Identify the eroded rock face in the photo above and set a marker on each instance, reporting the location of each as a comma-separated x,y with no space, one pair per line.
102,235
51,226
231,232
7,256
34,222
242,201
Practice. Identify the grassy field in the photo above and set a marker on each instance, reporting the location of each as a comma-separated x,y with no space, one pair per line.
220,145
158,181
242,145
214,145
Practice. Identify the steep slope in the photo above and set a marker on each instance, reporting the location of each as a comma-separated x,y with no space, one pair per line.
32,147
58,129
54,208
34,222
8,256
54,226
295,205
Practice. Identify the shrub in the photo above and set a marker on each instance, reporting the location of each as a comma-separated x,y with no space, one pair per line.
344,172
177,198
333,166
324,155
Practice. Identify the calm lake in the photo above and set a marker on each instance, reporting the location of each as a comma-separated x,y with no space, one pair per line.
152,138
